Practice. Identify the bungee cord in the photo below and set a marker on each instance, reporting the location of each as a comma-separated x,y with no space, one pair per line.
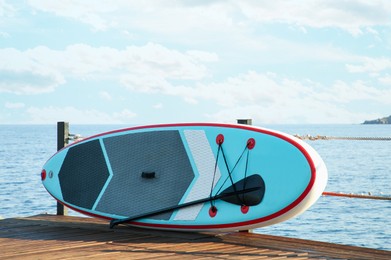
230,172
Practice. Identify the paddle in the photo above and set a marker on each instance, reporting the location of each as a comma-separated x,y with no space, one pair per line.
115,222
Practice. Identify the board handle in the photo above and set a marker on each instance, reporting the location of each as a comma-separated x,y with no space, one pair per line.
148,175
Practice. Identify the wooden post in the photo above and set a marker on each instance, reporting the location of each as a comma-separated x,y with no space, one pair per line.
245,121
62,141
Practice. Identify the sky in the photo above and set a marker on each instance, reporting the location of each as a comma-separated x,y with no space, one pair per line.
147,62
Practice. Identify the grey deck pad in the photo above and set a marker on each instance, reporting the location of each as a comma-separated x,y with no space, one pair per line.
161,152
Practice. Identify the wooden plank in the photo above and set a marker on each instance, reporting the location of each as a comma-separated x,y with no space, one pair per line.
64,237
315,247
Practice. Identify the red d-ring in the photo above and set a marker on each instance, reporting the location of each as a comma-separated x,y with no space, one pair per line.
212,211
43,174
251,143
220,139
244,209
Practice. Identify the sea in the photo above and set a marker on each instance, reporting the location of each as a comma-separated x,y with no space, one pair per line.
354,166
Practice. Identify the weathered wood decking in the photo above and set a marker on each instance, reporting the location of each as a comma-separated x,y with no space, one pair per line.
64,237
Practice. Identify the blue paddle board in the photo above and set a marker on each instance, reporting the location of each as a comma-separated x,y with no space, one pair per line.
189,177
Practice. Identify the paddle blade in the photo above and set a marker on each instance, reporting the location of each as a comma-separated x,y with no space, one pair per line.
250,198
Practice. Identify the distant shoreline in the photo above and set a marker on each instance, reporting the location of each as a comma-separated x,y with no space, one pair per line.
379,121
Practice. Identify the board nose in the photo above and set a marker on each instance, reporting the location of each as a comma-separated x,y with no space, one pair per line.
46,174
49,178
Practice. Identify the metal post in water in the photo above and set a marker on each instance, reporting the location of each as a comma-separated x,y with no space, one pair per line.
62,141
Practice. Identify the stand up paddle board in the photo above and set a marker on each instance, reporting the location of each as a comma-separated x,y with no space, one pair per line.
189,177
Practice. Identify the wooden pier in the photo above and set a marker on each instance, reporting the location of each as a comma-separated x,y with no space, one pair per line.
66,237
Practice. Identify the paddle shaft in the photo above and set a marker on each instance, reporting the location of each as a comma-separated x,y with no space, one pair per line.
115,222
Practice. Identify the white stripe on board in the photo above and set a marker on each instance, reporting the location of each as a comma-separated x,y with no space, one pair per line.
204,160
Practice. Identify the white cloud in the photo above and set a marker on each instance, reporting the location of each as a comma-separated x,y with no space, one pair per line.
158,106
254,88
351,16
6,9
125,115
24,73
203,56
14,105
7,12
4,35
248,88
221,16
155,59
145,83
272,98
386,80
105,96
342,92
305,113
43,115
168,16
89,12
41,69
370,65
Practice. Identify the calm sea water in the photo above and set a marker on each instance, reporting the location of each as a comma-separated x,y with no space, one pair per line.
354,167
